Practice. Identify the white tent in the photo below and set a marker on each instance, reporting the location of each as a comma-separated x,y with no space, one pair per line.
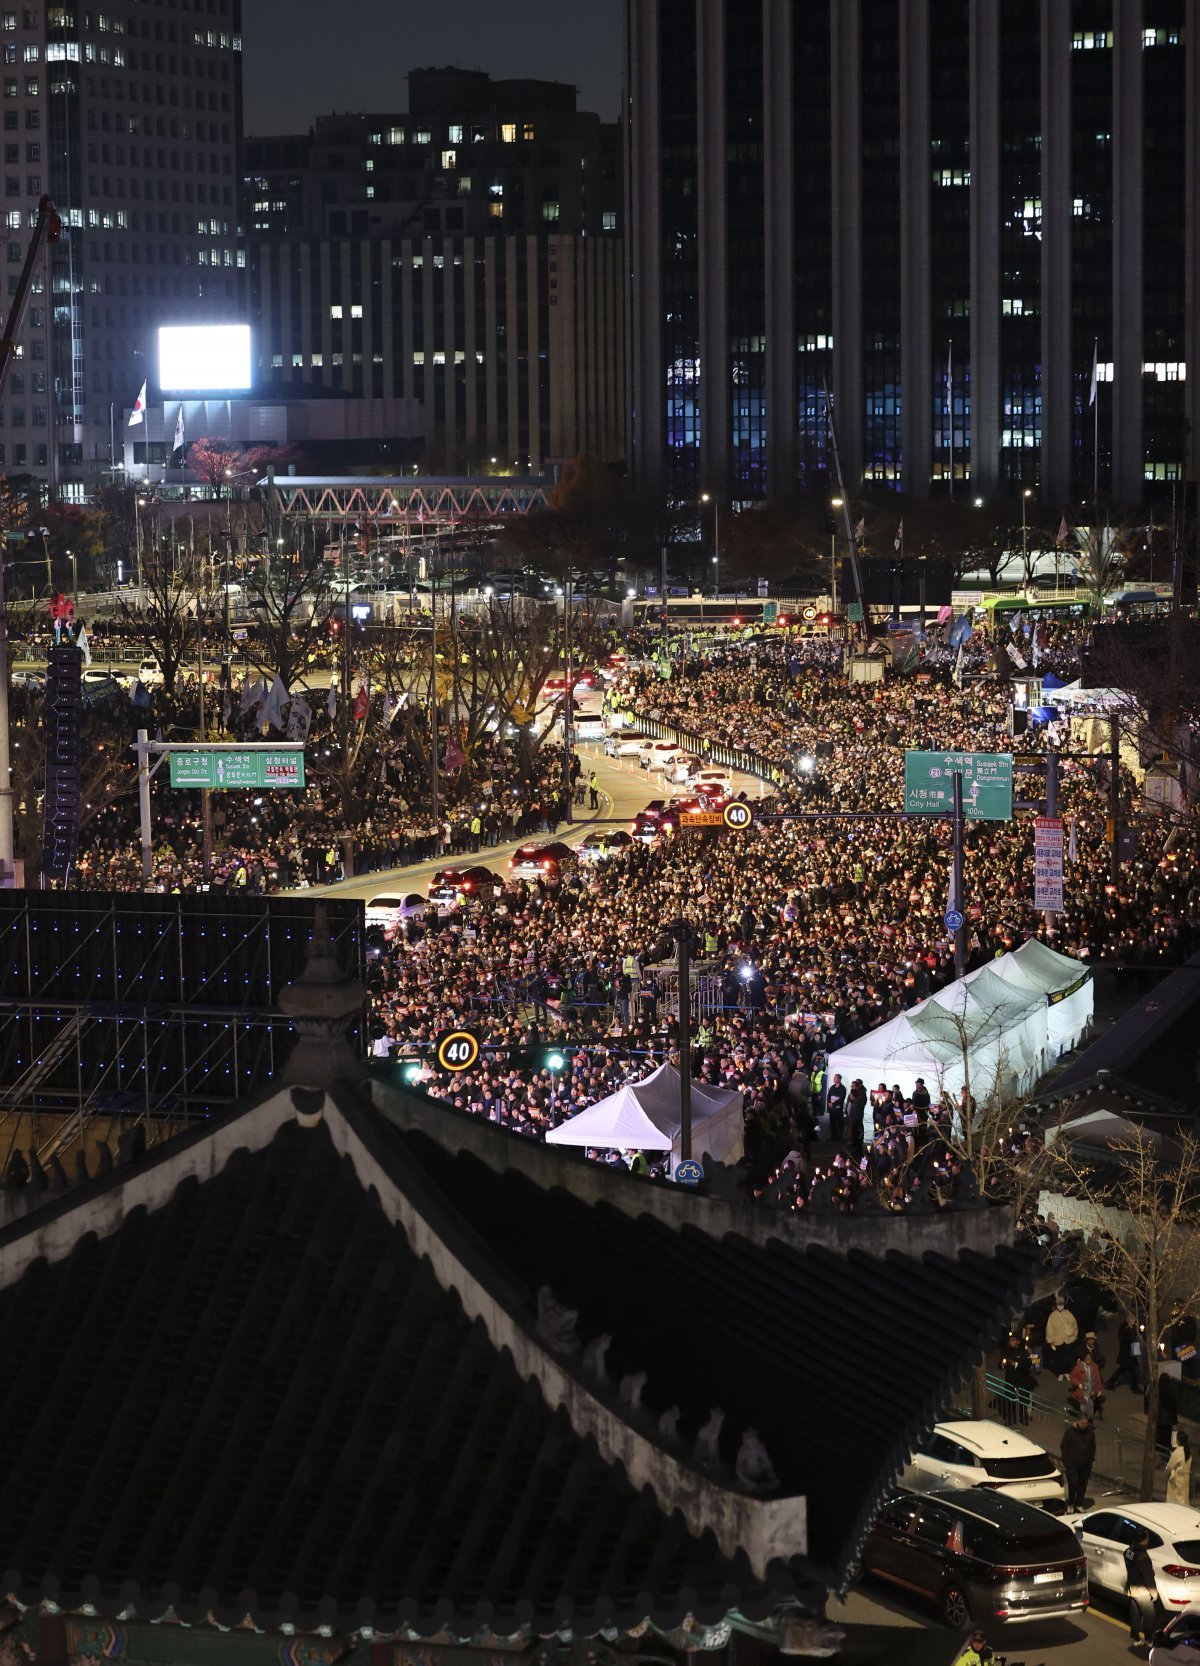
1006,1024
646,1116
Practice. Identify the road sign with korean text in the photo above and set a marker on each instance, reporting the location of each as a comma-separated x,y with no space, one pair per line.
986,784
254,767
1048,863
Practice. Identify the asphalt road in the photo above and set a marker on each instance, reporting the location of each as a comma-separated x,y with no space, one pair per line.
881,1629
624,790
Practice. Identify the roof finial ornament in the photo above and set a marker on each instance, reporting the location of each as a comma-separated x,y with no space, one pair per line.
322,1003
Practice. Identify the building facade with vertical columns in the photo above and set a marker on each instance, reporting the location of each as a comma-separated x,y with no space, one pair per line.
938,210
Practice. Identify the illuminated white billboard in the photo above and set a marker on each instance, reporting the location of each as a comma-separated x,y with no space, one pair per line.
195,358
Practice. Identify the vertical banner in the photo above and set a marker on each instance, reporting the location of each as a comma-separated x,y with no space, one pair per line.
1048,863
64,760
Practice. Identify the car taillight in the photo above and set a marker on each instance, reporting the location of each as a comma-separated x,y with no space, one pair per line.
1178,1570
547,866
468,884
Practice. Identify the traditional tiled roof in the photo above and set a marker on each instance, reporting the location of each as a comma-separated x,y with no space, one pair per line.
293,1370
256,1400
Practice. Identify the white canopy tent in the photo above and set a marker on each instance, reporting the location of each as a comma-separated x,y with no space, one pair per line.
1004,1025
646,1116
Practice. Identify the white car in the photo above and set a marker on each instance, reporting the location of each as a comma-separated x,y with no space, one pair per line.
984,1454
1174,1548
711,780
391,909
149,674
685,769
624,746
1180,1645
660,754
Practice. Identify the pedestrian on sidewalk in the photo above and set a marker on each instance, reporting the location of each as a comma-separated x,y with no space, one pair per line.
1078,1453
593,791
1129,1343
1062,1333
1145,1610
1179,1473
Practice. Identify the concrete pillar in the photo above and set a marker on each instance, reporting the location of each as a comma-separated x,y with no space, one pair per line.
1058,395
916,369
645,372
780,230
985,248
1191,239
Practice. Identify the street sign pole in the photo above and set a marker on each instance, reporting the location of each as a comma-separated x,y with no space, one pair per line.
1052,812
143,757
683,940
960,936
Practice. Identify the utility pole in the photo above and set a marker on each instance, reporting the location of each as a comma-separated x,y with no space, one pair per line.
433,709
1052,813
960,936
205,805
683,937
1114,797
569,696
8,872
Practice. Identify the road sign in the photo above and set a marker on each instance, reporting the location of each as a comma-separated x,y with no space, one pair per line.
986,784
737,815
701,818
770,612
954,920
689,1172
256,766
457,1050
1048,863
854,613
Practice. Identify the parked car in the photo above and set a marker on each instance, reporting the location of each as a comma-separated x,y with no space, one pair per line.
977,1556
32,681
149,674
475,883
1178,1644
713,781
657,819
984,1454
537,861
391,908
660,754
624,745
1174,1533
602,847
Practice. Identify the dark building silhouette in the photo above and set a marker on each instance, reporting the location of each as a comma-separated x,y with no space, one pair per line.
937,207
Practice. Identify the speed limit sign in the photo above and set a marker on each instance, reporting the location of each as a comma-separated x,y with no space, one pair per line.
737,815
457,1050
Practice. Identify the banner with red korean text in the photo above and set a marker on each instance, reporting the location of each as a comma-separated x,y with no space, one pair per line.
1048,863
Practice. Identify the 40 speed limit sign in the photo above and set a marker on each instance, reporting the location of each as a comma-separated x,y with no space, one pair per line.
737,815
457,1050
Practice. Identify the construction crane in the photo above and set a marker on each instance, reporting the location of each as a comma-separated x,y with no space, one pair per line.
47,229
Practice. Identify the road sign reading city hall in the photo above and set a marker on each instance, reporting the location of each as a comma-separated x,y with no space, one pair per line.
254,767
986,784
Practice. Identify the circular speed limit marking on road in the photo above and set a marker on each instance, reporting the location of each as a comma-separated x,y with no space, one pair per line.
458,1050
737,815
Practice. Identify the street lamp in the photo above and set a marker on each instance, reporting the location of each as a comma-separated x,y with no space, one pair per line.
707,497
835,503
1025,497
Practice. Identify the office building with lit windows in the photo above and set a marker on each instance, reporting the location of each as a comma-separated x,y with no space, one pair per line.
463,256
938,209
129,117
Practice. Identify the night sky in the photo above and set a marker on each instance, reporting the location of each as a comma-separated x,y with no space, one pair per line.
305,58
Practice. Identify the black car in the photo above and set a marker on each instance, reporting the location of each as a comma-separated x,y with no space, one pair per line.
978,1555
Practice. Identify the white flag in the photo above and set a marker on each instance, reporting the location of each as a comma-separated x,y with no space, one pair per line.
82,642
138,413
899,544
178,446
272,712
253,694
331,703
1064,532
1095,369
860,530
958,665
299,719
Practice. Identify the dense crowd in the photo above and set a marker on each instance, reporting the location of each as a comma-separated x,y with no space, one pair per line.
813,932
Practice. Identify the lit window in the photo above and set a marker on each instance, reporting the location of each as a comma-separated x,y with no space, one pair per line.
356,311
549,211
318,360
422,136
418,358
449,159
508,132
395,136
496,210
454,134
608,220
527,132
439,357
335,311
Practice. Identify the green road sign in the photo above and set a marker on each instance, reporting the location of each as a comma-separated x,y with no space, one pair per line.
986,783
256,766
770,612
854,613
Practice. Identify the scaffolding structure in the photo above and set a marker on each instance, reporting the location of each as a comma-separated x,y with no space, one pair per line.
144,1007
420,506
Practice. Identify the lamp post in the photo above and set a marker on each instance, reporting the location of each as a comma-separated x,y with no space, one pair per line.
1025,497
835,503
707,497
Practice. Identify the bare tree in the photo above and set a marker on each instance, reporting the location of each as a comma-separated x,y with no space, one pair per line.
295,606
1146,1244
167,621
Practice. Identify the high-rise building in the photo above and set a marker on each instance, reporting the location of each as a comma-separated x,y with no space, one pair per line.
129,118
942,210
464,254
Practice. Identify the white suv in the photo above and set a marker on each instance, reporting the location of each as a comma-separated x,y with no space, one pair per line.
984,1454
